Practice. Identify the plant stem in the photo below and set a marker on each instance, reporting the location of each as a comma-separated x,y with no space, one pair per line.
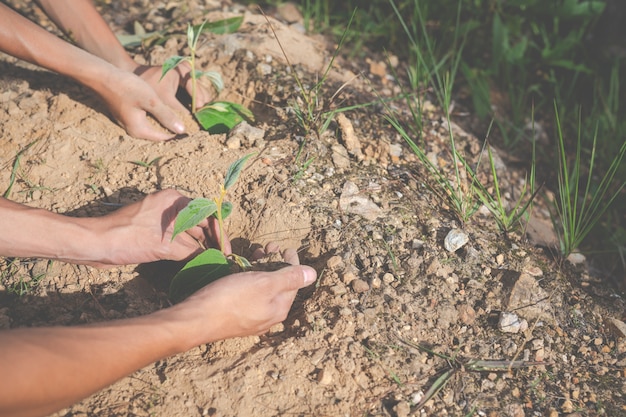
220,221
192,62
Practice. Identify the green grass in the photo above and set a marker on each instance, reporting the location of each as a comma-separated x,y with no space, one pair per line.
581,202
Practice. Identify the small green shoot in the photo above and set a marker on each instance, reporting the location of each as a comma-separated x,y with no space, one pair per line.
211,264
218,116
507,218
147,164
579,206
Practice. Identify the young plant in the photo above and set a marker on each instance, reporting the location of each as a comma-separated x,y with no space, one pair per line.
211,264
579,205
217,116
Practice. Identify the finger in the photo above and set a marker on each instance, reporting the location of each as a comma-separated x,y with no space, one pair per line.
297,276
259,253
272,247
167,117
140,127
291,256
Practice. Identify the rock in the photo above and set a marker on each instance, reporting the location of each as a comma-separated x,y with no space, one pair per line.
348,277
376,283
351,202
455,239
529,300
467,314
340,157
576,258
334,262
617,327
244,134
402,409
289,12
388,278
360,286
348,137
325,376
511,323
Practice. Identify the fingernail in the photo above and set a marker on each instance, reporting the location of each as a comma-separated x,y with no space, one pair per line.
309,275
179,127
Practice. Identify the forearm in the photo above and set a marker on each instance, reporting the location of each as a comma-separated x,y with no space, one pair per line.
46,369
32,232
80,20
25,40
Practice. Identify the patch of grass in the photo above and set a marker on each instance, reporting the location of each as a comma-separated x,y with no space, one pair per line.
581,203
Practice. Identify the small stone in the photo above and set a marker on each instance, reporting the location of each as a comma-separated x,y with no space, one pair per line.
509,323
348,277
338,289
277,328
534,271
376,283
334,262
467,314
360,286
417,244
402,409
455,239
598,341
351,202
340,157
289,12
325,376
500,259
617,327
576,258
388,278
529,299
233,142
243,133
567,406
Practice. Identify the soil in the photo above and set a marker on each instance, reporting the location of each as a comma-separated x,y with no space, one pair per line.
392,310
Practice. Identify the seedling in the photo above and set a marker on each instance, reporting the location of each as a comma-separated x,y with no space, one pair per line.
217,116
211,264
146,163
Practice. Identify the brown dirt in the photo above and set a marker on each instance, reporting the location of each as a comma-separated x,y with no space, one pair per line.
386,283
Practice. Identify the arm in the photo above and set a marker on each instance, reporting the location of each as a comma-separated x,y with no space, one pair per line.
80,20
67,364
138,233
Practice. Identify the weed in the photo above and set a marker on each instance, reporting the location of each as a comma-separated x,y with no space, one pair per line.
212,263
507,218
217,116
147,164
471,365
579,204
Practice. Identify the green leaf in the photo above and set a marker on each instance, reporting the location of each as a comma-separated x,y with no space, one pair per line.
221,116
216,79
171,63
234,170
221,27
227,208
196,211
205,268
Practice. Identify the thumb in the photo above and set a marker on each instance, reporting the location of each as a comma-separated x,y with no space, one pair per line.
298,276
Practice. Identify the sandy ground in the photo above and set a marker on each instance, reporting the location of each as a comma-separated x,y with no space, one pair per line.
392,309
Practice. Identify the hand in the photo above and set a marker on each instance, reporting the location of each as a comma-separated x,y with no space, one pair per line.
130,99
142,232
243,304
167,86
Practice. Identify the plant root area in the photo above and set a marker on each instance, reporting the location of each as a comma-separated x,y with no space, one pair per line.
392,310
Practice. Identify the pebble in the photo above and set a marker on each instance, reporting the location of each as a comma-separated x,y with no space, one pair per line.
348,277
325,376
576,258
511,323
617,327
351,202
529,299
334,262
388,278
360,286
500,259
376,283
455,240
467,314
